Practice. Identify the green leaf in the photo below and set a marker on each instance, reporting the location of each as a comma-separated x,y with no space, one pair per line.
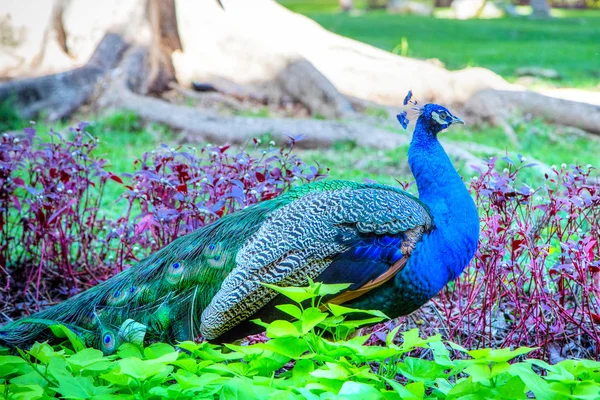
417,389
403,392
324,289
26,392
44,352
301,372
389,338
341,310
355,323
311,317
498,355
333,371
10,365
290,309
355,390
441,354
157,350
189,364
292,347
69,387
88,360
32,377
533,382
142,369
127,350
417,369
297,294
269,363
237,389
169,392
62,331
197,383
281,328
512,388
499,368
478,372
411,340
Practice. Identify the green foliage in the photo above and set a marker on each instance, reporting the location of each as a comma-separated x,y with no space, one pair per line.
300,361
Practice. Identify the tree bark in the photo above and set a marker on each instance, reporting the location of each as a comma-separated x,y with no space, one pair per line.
63,93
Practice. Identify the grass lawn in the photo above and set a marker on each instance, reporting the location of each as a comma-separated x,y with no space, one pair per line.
569,43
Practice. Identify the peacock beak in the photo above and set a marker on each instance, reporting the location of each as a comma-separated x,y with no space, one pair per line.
457,120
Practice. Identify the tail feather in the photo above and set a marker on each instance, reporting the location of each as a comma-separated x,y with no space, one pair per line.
159,299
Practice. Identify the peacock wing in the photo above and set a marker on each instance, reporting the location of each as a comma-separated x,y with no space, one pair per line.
353,234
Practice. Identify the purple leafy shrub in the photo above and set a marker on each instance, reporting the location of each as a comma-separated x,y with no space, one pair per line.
56,241
535,280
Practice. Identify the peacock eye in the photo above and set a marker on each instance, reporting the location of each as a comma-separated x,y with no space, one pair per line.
443,115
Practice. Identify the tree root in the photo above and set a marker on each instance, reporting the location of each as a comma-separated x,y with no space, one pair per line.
61,94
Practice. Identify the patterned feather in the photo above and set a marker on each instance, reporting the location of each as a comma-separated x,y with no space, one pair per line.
378,238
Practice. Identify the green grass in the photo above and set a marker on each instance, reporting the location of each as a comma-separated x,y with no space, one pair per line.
568,43
123,139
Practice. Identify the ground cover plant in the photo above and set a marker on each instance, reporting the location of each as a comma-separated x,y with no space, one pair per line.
310,358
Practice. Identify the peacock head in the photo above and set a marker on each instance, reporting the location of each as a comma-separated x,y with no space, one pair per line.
437,118
432,118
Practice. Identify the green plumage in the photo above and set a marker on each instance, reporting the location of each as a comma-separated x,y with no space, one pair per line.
188,287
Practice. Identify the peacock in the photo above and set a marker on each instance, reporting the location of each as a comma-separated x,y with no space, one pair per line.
396,250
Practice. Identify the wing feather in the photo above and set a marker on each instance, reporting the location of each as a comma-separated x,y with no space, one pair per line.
308,236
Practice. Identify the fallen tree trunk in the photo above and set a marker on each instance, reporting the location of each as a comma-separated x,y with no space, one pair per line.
492,104
199,126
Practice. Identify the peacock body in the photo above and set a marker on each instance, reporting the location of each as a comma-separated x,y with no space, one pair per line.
396,250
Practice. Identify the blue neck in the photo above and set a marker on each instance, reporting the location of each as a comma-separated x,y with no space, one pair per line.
437,180
442,254
441,188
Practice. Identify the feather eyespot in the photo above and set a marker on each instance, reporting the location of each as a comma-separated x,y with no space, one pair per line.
214,255
108,340
175,272
118,297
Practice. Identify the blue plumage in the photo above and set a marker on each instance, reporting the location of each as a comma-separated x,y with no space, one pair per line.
369,256
442,254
